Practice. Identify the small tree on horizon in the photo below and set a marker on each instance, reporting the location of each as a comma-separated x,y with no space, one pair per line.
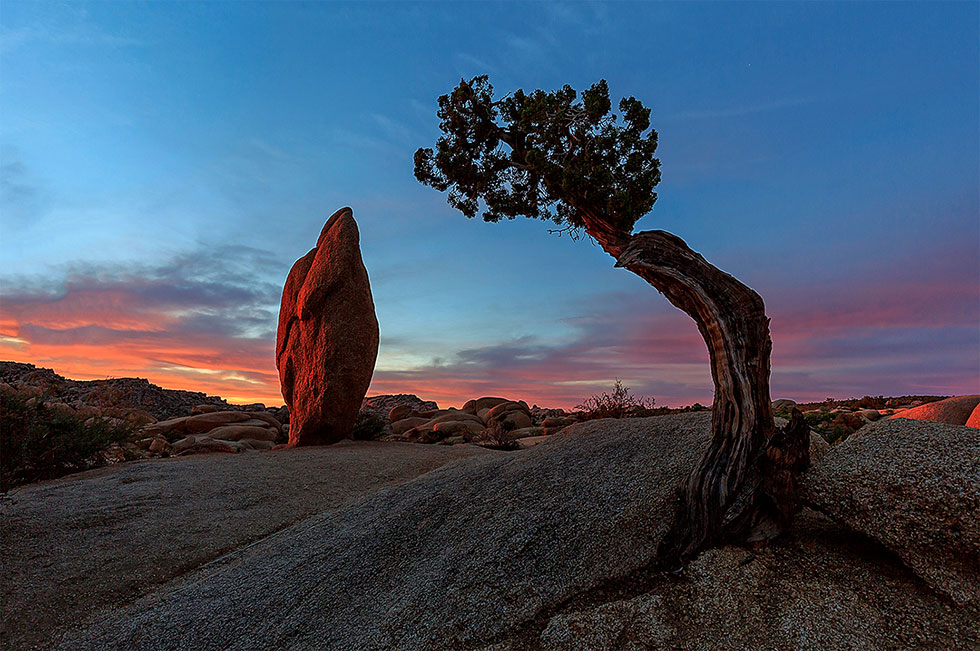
553,156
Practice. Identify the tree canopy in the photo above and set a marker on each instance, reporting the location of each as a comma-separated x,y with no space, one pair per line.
546,155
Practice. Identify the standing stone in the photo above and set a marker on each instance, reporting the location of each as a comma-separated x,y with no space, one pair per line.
328,336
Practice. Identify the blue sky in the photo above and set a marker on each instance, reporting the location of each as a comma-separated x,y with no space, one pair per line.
164,164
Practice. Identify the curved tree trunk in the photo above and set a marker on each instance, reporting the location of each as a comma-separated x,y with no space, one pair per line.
743,488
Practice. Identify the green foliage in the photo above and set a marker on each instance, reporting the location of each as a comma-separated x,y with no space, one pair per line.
368,426
39,443
544,155
818,419
618,404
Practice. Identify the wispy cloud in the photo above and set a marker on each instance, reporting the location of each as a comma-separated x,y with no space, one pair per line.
74,35
919,336
21,199
588,17
737,111
395,130
271,151
204,320
471,65
531,47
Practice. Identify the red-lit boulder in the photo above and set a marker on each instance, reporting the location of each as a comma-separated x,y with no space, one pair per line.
198,424
974,419
952,411
245,431
327,341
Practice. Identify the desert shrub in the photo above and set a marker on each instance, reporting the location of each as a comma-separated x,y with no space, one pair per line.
368,426
39,443
498,437
618,404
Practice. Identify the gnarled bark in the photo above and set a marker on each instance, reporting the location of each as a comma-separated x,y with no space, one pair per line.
729,495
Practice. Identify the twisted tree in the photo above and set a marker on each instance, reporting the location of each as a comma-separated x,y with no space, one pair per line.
553,156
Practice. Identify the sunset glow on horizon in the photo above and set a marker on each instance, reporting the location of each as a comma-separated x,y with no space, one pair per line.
162,166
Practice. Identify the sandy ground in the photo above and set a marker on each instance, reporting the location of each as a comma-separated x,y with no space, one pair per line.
72,547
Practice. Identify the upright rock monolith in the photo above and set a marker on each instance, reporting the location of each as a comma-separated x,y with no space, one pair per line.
328,336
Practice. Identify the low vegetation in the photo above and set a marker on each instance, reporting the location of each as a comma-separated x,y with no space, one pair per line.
621,403
869,402
498,436
38,442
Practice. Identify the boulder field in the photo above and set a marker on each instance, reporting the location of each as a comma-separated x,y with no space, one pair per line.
211,431
836,424
556,547
477,421
134,400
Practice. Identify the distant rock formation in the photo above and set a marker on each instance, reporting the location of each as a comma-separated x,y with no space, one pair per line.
383,404
951,411
117,397
327,341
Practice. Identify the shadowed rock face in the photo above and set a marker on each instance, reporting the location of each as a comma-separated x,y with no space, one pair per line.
328,336
450,560
915,487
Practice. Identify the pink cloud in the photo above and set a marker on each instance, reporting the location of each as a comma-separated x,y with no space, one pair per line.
202,327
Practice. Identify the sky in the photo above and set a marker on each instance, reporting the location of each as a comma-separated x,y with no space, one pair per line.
162,166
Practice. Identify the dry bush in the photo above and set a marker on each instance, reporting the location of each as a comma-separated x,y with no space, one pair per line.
498,437
618,404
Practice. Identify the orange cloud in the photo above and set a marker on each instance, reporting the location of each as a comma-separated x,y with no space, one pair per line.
201,328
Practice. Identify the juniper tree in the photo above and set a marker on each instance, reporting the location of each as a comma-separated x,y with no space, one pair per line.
570,160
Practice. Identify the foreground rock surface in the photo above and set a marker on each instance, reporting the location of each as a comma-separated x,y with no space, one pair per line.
98,539
821,588
457,557
544,548
914,486
327,340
